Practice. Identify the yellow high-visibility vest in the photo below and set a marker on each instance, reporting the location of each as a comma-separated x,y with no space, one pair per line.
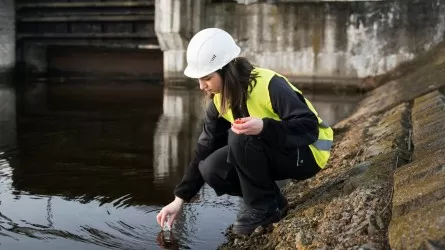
259,105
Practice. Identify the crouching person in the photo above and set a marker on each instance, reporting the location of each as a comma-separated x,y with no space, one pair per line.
258,129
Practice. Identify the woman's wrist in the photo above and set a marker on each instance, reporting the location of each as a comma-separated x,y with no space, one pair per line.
179,200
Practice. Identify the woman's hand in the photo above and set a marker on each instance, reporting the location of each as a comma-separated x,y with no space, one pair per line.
171,210
248,126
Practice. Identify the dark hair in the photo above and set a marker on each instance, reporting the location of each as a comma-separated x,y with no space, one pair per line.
238,81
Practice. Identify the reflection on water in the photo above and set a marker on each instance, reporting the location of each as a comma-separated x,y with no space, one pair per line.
7,114
88,166
180,121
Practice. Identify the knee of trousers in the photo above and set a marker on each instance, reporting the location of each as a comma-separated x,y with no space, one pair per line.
237,142
209,172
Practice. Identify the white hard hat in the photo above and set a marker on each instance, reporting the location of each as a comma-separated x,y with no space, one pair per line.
209,50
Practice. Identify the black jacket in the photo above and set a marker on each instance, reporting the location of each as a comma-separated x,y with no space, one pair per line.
298,127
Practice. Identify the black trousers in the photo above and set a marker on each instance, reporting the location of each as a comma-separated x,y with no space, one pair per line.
248,167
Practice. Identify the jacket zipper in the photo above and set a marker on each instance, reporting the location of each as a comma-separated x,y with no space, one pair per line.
298,157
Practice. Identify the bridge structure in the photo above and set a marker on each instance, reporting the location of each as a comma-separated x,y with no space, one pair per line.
82,37
319,40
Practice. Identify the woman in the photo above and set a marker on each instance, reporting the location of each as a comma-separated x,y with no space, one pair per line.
258,128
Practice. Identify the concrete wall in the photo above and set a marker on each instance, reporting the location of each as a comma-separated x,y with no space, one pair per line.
7,34
330,40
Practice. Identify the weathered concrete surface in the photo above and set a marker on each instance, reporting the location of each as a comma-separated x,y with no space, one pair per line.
419,190
407,82
175,23
336,41
331,39
384,186
7,34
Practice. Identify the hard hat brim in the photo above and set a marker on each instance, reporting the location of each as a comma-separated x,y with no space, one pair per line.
192,72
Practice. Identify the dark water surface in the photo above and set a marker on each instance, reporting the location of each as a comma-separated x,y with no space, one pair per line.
88,165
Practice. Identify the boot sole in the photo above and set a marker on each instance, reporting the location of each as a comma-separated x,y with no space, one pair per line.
247,230
283,211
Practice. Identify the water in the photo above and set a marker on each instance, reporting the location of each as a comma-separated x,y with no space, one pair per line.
88,165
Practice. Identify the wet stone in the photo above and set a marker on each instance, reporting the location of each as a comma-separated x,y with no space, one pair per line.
419,123
237,241
379,222
428,97
431,146
426,110
372,230
422,132
423,168
427,102
418,193
411,230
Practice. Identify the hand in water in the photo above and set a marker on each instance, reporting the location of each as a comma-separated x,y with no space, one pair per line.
166,240
171,210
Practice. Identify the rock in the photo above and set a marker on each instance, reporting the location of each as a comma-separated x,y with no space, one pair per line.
352,231
368,246
372,230
355,218
259,230
379,222
308,238
362,226
237,241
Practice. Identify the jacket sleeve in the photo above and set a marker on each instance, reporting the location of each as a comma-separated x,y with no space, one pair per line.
213,136
298,125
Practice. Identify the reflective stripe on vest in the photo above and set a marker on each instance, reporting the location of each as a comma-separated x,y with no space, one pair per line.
323,144
259,105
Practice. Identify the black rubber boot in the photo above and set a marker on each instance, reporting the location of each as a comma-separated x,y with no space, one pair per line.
249,219
282,203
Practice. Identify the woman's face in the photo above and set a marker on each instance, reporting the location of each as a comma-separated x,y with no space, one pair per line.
211,83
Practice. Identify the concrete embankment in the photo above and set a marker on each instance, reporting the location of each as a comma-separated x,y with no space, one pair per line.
384,186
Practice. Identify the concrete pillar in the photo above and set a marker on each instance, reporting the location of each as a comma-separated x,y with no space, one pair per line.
175,23
7,34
